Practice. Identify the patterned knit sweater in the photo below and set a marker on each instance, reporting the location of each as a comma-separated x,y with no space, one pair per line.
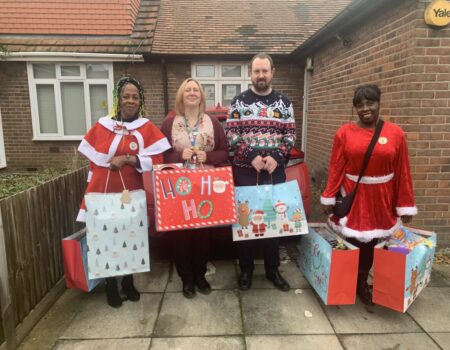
260,125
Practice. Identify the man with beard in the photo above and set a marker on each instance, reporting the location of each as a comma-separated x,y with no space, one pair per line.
261,131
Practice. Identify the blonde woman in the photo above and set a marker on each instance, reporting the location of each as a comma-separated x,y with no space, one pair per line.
196,138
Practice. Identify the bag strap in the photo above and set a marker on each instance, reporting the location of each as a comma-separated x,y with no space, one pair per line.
375,136
107,180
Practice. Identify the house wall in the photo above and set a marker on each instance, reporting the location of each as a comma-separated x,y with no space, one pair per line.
24,154
410,63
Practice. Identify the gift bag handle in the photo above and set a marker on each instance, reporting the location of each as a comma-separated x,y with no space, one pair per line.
257,179
107,180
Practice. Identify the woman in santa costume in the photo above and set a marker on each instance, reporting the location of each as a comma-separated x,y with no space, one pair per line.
128,142
384,198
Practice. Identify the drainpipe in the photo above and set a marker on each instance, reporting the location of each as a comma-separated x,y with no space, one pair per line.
165,87
308,71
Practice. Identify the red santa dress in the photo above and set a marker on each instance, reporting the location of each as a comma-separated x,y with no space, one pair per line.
385,191
109,138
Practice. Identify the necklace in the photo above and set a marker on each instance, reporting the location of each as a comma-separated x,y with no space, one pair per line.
192,132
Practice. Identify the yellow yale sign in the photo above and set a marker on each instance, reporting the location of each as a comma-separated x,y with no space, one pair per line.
438,13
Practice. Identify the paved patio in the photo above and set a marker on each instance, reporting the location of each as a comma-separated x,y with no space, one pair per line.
261,318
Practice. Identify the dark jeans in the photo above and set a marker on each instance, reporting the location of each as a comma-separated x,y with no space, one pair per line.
190,251
365,257
247,249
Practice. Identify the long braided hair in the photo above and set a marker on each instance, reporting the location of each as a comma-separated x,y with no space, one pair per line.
118,91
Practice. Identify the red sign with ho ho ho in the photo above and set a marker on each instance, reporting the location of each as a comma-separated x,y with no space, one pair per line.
187,199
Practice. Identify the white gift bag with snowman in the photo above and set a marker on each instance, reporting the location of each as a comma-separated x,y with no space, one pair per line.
117,236
267,211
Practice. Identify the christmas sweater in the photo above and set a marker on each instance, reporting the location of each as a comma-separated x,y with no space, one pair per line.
260,125
385,191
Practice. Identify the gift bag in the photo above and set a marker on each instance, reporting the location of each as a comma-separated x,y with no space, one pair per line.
403,269
117,237
330,265
194,198
267,211
74,249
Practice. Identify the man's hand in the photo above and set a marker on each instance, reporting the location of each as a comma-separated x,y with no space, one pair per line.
327,209
270,164
406,219
258,163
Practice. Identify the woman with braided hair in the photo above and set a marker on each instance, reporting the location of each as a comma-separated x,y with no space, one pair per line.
125,141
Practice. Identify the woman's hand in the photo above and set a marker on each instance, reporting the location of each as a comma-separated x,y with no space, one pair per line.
187,154
406,219
118,162
327,209
201,156
270,164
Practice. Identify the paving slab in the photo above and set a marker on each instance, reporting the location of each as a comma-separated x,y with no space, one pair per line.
224,277
99,320
443,339
360,318
102,344
431,309
407,341
155,280
289,271
293,342
205,315
440,276
198,343
270,311
55,322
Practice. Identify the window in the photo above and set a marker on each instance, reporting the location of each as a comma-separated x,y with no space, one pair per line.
68,98
221,81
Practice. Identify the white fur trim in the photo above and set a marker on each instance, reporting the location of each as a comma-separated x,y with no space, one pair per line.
81,217
89,176
100,159
327,201
406,211
157,147
146,163
370,180
113,147
366,236
110,124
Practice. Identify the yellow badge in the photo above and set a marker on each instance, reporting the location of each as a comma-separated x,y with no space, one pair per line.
382,140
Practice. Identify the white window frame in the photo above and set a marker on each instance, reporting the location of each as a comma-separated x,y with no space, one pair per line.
2,145
218,80
56,82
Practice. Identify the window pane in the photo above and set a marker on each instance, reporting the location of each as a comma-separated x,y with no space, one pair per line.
204,71
228,93
70,71
97,71
210,93
46,108
99,102
72,98
233,71
44,71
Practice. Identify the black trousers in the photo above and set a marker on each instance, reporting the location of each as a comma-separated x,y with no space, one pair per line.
365,257
191,252
270,246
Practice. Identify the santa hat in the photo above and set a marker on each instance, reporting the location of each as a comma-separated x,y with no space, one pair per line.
259,212
280,203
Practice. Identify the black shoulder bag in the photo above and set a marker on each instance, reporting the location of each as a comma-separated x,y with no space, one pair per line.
344,204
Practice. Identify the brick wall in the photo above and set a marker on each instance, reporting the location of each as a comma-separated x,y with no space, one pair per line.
410,62
22,153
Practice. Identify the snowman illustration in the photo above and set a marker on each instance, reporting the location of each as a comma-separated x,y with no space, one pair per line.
282,218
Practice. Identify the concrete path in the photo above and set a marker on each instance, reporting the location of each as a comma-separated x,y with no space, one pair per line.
262,318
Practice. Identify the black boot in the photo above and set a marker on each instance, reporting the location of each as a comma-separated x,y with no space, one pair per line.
188,288
112,293
129,289
364,290
202,284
